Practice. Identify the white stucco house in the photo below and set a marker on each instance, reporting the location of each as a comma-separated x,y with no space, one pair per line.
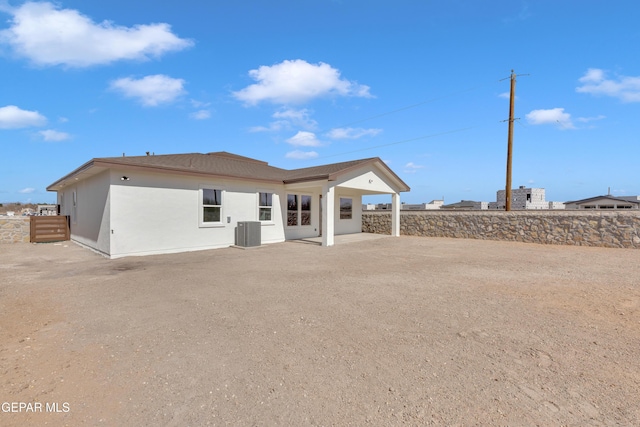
142,205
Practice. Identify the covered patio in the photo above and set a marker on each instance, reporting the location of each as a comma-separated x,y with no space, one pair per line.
340,194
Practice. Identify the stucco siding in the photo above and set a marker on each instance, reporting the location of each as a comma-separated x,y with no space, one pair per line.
153,213
369,181
300,231
353,225
90,216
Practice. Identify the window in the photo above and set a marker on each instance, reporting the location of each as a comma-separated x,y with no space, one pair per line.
265,206
298,213
211,205
346,208
292,209
74,208
305,210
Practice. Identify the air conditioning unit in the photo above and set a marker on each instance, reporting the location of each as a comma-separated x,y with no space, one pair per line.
248,234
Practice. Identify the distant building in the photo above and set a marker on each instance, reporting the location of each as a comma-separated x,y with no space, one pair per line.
523,198
47,210
605,202
434,204
466,205
556,205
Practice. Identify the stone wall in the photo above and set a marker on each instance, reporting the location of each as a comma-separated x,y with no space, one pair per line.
619,229
14,229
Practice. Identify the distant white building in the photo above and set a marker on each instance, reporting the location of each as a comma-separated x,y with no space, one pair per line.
467,205
523,198
556,205
434,204
47,210
605,202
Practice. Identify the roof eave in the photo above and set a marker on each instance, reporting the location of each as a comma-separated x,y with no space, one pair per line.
71,174
374,160
153,168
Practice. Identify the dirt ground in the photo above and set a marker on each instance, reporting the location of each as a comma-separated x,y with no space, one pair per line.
394,331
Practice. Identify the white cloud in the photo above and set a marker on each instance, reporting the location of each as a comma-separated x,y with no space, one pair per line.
352,133
27,190
412,167
296,82
286,119
150,90
200,115
304,139
595,82
299,118
554,116
54,135
199,104
301,155
48,36
590,119
12,117
273,127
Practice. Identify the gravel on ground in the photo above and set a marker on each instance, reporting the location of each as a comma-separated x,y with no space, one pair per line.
394,331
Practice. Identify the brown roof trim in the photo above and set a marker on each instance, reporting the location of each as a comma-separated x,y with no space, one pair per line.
238,167
180,171
71,174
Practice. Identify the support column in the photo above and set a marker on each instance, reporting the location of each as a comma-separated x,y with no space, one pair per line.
328,215
395,214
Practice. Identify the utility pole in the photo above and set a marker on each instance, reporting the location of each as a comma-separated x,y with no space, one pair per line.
507,206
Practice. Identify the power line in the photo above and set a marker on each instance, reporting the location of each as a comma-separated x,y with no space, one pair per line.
398,142
408,107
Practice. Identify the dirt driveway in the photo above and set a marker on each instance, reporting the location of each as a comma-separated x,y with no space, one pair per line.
396,331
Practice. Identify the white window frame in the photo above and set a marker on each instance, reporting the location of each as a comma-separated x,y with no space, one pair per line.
297,224
299,197
261,206
202,205
340,208
310,209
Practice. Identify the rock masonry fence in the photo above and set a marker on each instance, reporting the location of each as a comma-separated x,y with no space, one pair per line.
619,229
15,229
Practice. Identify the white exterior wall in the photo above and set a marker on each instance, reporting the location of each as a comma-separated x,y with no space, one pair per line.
90,221
301,231
348,226
355,184
155,213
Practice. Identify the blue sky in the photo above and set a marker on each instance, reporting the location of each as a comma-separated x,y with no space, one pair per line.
306,82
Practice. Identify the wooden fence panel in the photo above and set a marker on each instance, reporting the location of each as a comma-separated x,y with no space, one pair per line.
50,228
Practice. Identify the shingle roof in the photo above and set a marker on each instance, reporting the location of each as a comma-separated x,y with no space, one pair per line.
228,165
218,164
